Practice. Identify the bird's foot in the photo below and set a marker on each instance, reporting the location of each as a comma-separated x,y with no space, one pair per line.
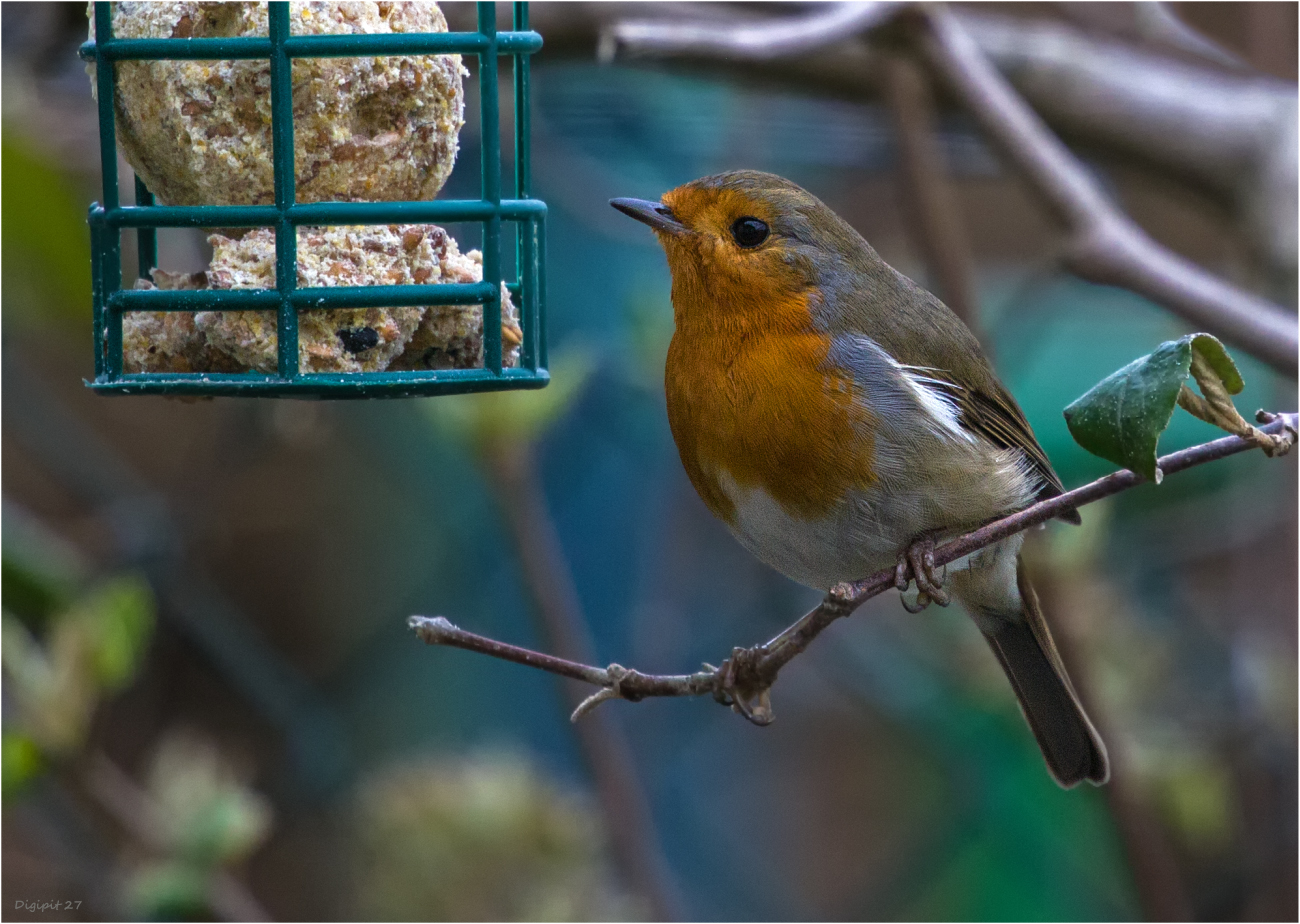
741,685
916,562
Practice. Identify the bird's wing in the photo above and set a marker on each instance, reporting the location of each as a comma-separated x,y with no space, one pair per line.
923,335
989,410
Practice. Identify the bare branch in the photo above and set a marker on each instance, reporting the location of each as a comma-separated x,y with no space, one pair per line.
758,41
749,673
438,630
1232,135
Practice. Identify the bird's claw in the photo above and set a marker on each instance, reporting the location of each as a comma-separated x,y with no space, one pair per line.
740,686
917,563
922,602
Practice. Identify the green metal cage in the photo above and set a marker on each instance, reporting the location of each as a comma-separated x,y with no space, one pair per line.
109,218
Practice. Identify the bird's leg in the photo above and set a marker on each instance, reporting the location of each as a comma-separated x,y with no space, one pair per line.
740,686
917,561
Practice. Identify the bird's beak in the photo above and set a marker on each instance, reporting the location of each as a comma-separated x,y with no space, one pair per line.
655,214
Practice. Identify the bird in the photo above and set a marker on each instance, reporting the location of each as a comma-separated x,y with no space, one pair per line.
840,419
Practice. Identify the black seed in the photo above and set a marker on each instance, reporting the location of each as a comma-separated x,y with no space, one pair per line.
358,339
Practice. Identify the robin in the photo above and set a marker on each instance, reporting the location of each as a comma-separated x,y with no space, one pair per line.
840,419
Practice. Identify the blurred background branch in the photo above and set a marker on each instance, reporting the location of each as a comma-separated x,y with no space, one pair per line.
1155,24
1231,132
1105,245
502,430
930,201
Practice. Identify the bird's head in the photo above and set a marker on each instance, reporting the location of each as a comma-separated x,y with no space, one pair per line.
744,239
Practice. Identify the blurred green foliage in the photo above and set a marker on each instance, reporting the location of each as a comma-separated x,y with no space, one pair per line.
68,643
91,648
210,816
69,640
649,331
40,573
46,244
22,762
484,837
1196,797
206,818
168,891
491,419
114,621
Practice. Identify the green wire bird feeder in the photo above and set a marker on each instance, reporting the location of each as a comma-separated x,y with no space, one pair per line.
289,300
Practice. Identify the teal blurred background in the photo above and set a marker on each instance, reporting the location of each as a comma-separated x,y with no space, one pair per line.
205,603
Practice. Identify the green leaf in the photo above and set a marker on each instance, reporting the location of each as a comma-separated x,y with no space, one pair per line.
1214,353
1122,417
94,647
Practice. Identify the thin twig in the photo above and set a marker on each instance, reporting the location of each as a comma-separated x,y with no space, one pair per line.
750,672
438,630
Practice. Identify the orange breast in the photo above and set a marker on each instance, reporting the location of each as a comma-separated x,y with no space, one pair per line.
749,398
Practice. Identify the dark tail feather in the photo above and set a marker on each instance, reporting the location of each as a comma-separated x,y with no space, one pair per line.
1071,746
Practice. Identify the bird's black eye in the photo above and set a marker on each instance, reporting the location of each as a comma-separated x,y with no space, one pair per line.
749,231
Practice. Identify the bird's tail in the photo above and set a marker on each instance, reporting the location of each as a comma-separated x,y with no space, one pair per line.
1070,744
